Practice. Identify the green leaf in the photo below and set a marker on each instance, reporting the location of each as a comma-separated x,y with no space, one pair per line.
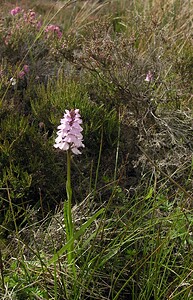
76,236
150,193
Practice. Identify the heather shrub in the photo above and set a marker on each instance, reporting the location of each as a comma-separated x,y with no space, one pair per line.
27,41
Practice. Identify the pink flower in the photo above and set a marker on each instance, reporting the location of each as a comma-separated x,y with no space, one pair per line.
149,76
15,11
54,29
26,69
32,14
69,133
39,24
30,17
21,74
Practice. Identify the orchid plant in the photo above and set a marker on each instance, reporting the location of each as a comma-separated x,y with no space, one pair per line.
69,138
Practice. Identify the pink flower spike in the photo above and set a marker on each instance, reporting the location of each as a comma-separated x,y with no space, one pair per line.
69,134
15,11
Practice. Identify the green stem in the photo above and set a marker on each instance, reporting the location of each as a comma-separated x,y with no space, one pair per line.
69,194
68,215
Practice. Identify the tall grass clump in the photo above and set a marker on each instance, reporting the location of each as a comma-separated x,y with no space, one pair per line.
116,221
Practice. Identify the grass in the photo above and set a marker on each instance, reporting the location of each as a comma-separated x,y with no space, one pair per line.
132,184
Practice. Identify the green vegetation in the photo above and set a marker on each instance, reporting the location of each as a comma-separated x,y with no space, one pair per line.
127,66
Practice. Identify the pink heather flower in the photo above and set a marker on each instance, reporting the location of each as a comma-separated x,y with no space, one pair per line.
149,76
32,14
54,29
30,17
15,11
26,69
21,74
69,133
39,24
